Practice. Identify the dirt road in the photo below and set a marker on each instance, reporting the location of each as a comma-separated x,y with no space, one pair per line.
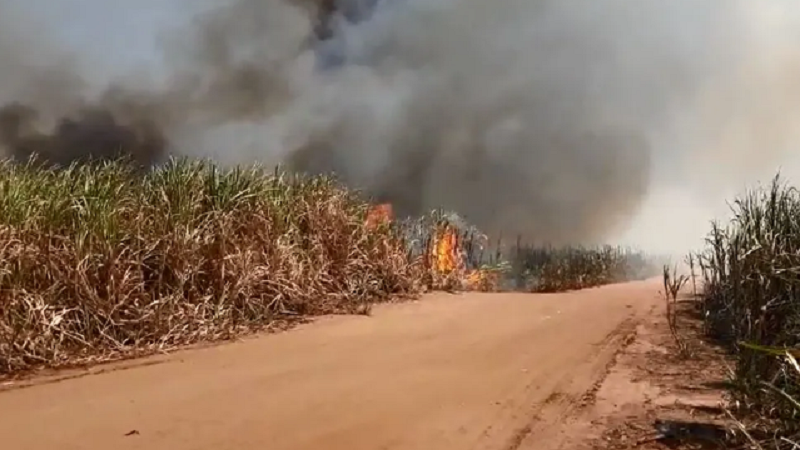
472,371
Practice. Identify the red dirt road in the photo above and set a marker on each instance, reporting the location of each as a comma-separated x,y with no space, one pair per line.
460,372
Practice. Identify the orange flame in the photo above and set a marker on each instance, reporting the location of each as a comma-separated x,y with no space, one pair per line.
447,259
379,215
481,280
445,254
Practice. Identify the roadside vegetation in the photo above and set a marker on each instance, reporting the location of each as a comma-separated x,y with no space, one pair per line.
101,262
549,269
751,303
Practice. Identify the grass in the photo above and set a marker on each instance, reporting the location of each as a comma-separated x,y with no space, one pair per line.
751,301
548,269
532,268
97,262
101,262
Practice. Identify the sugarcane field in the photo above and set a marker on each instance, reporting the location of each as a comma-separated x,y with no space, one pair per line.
399,224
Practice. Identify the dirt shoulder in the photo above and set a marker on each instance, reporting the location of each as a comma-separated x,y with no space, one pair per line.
652,394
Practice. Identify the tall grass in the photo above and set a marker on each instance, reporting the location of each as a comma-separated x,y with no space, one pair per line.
99,262
533,268
751,299
549,269
102,261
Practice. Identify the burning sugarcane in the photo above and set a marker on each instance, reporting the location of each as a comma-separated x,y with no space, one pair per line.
443,247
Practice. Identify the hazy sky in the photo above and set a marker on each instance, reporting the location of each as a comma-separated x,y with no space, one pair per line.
115,35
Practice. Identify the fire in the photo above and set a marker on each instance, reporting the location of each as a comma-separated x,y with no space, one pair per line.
379,215
445,258
448,259
445,254
480,280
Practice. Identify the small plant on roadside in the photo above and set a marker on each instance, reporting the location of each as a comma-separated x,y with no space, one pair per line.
673,283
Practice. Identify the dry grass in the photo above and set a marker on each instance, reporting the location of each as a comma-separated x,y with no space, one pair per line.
549,269
99,262
751,272
495,265
673,283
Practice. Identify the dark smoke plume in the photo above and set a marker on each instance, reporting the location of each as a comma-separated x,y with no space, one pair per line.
90,134
550,119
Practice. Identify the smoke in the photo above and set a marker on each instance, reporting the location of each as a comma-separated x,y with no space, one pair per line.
559,121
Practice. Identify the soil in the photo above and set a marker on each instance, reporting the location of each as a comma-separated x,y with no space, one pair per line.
653,380
587,369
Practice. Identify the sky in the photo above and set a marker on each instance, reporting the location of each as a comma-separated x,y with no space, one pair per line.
116,36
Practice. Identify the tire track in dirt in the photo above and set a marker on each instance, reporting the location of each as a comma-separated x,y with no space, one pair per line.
570,396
